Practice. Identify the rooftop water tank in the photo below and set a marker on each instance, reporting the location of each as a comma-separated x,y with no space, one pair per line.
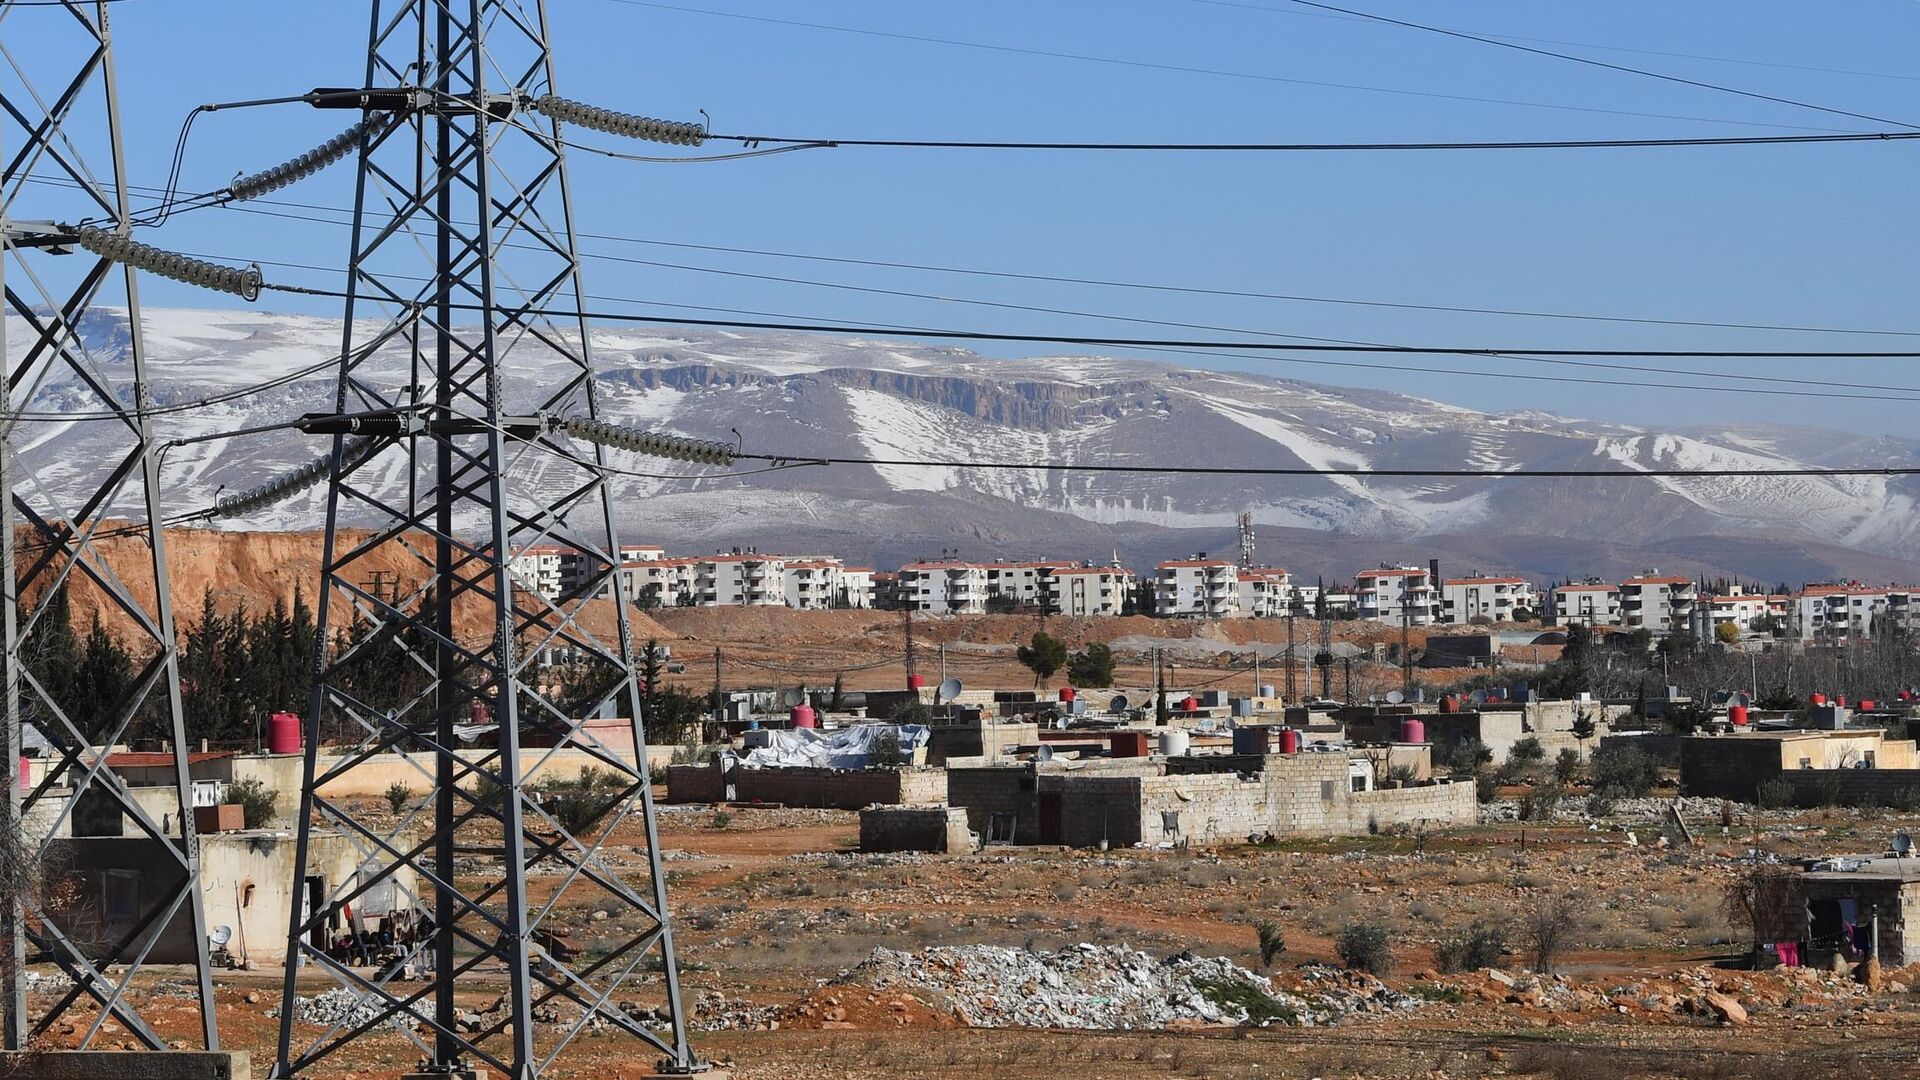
1174,742
915,682
1413,730
1251,739
802,716
1737,714
1066,693
1289,740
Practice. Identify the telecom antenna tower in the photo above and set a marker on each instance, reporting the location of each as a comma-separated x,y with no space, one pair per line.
1246,540
72,328
461,180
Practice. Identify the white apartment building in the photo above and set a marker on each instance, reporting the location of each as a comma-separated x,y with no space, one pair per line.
1497,598
1393,593
1663,605
1023,583
542,569
660,583
856,587
1588,603
1845,612
1741,609
1088,590
956,588
1208,587
1263,592
740,579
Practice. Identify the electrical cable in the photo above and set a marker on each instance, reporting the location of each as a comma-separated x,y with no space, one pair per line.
1590,62
1187,70
1237,470
1175,343
1518,144
1099,282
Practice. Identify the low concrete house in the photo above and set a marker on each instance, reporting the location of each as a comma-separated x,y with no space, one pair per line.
1198,800
1851,765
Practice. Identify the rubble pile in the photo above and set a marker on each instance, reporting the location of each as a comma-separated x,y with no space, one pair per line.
713,1011
1111,987
338,1006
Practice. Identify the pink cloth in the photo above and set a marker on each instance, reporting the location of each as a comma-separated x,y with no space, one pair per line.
1789,953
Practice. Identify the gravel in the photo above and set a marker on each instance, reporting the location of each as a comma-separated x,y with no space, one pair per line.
339,1006
1112,987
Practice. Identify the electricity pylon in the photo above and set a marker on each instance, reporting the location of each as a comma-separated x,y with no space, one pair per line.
462,182
102,917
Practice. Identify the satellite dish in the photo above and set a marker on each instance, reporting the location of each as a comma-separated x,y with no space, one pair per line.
946,692
1045,753
1742,698
1119,703
1478,697
1902,843
1395,697
792,697
223,934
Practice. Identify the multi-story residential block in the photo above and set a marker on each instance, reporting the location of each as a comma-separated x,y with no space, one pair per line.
576,568
1088,590
811,584
541,569
741,578
1664,605
1394,593
1589,603
1022,584
1497,598
857,587
953,587
1841,613
1264,592
660,583
1747,612
1199,586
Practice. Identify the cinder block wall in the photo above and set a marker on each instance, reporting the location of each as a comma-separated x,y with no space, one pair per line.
1219,808
1443,805
1852,787
1727,768
1007,789
694,783
1093,808
914,828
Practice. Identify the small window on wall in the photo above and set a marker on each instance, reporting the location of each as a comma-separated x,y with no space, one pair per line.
1326,791
1806,763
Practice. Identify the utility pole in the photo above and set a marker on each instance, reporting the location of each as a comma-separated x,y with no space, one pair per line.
69,165
943,662
910,660
1291,699
462,183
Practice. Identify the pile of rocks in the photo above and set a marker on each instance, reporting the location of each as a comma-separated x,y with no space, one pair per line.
1111,987
714,1011
339,1006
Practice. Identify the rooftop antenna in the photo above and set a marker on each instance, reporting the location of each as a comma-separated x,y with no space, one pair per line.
1246,540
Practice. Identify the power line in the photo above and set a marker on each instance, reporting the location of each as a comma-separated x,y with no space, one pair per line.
1187,70
1239,470
1176,343
1595,45
1526,144
1111,283
1590,62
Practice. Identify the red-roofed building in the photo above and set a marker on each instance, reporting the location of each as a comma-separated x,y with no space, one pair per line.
1197,586
1396,593
1587,603
1089,590
1662,604
1264,592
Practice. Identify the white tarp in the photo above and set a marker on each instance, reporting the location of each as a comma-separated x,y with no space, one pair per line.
841,748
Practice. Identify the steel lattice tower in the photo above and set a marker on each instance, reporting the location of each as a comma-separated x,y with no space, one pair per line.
459,184
64,343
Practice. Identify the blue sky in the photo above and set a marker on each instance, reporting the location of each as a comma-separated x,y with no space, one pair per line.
1805,235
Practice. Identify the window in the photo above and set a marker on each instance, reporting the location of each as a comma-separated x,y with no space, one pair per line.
120,896
1326,791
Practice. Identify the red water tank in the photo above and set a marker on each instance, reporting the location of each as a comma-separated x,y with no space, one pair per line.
1817,699
1738,715
802,716
1413,730
1449,704
1841,701
1866,706
1289,740
1066,693
1127,743
283,734
26,774
915,682
1189,703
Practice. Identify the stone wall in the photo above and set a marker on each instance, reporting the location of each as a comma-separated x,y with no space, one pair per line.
1213,809
1095,809
1010,790
1444,805
841,789
1727,768
915,828
1853,787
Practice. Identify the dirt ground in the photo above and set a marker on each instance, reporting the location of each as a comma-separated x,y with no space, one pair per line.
773,910
762,647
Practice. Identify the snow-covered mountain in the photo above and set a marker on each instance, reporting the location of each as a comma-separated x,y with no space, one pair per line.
809,395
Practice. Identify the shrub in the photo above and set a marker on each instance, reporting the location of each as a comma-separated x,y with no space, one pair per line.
1548,930
1625,767
398,796
1828,793
1567,767
1540,803
1907,799
579,803
1774,794
1092,666
1261,1007
1364,946
1486,786
1404,774
1273,941
1527,752
722,819
885,750
256,801
1478,946
1465,755
1600,801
